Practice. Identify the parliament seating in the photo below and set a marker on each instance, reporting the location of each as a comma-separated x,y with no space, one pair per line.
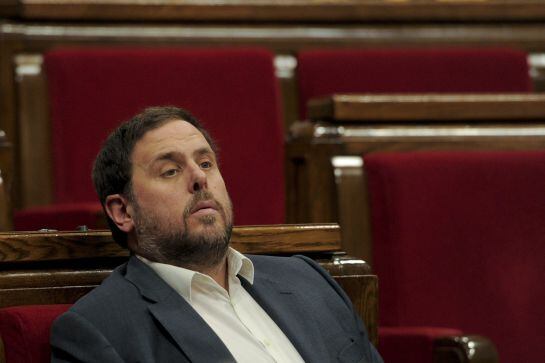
42,273
91,90
322,72
364,100
325,155
459,240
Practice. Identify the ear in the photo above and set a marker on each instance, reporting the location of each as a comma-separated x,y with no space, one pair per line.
117,208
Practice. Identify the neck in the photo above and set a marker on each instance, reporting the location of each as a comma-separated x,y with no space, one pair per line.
218,273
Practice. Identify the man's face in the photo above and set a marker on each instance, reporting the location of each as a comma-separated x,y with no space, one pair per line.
180,206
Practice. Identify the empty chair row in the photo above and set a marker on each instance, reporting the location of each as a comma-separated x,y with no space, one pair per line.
235,93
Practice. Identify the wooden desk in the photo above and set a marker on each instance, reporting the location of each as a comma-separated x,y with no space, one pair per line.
352,125
249,10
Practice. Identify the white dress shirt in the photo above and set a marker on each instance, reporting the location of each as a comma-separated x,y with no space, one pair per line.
244,327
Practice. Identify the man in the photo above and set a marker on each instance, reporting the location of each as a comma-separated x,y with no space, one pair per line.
185,295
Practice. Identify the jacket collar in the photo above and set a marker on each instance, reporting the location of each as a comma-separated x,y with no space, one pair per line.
194,337
199,342
286,306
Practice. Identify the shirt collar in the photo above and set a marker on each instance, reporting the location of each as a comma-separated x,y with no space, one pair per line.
238,264
180,279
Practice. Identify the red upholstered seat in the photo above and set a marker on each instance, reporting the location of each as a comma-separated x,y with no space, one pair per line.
233,91
442,70
459,241
25,332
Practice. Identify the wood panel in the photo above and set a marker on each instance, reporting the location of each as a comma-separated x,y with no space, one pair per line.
390,108
58,246
279,10
34,129
6,171
10,8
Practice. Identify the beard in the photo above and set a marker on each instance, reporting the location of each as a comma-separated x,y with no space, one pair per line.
169,243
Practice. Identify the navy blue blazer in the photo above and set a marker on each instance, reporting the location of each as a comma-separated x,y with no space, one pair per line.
134,316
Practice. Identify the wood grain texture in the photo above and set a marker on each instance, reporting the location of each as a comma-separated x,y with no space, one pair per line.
390,108
56,246
287,238
280,10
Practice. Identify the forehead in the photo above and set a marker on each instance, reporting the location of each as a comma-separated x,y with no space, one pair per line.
174,135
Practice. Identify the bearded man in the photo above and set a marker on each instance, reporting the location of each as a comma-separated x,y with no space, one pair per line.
185,295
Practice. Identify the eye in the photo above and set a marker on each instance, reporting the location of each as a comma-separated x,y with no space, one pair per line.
206,164
170,173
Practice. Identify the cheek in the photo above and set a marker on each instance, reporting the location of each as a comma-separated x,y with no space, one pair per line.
217,186
219,190
163,201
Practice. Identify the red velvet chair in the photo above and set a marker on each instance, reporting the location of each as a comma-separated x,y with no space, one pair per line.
459,242
441,70
233,91
24,331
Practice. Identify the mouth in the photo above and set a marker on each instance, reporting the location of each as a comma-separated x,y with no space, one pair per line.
203,208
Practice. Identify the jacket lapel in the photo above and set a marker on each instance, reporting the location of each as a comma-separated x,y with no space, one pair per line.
190,332
286,307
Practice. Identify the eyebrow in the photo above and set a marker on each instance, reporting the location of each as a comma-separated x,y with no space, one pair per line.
203,151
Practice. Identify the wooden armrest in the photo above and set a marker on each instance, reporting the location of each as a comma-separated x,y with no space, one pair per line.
464,349
346,108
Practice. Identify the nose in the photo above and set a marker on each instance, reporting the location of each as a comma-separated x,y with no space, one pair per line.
198,179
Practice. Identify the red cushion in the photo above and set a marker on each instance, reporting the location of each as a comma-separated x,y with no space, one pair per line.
233,91
62,217
25,332
323,72
410,344
459,240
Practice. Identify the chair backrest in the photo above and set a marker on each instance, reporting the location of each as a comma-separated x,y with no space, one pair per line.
439,70
459,240
233,91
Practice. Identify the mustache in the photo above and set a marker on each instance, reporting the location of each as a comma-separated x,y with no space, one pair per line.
200,196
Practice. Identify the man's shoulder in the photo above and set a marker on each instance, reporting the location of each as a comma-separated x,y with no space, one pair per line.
113,292
292,263
294,268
